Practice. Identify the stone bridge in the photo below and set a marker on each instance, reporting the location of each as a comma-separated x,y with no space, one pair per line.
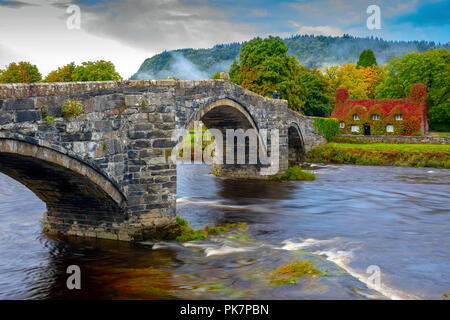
107,174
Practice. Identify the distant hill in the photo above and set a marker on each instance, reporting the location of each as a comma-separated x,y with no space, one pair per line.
311,51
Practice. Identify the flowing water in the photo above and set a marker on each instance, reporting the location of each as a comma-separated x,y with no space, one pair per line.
352,222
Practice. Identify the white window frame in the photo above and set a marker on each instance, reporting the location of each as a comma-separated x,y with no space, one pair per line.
375,117
355,128
389,127
398,117
356,117
342,124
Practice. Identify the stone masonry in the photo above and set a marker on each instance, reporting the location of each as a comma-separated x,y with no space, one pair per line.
106,174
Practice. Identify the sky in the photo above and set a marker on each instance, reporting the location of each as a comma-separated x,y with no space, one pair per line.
128,31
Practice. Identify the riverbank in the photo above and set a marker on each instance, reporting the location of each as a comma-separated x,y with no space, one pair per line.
384,154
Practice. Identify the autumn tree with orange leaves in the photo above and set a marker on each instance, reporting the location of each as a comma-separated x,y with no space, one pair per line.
21,72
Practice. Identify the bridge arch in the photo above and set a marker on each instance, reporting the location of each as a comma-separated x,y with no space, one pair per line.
68,186
296,145
225,114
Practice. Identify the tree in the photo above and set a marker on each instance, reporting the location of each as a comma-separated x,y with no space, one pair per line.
63,74
431,68
317,101
350,77
87,71
22,72
96,71
367,59
265,66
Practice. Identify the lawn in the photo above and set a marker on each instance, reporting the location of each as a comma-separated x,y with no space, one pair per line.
392,146
415,155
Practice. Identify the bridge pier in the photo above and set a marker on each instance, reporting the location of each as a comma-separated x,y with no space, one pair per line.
107,173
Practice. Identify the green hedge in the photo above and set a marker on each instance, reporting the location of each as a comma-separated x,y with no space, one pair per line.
329,127
445,127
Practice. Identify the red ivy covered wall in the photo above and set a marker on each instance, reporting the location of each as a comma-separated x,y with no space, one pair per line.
412,110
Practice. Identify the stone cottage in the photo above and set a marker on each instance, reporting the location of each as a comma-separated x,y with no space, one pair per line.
405,116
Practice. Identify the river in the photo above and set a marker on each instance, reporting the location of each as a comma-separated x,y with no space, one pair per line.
351,222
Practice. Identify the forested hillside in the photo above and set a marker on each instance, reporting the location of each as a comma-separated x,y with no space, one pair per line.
311,51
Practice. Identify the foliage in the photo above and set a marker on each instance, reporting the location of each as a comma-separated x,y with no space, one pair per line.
294,173
216,75
181,231
88,71
367,59
96,71
63,74
360,82
264,64
431,68
318,98
208,61
329,127
22,72
72,108
311,51
412,110
446,295
290,273
416,155
265,67
49,119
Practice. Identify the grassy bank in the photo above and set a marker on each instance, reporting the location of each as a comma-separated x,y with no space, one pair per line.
415,155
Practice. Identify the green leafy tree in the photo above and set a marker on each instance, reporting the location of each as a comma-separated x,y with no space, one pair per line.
234,72
96,71
216,75
22,72
63,74
431,68
317,101
265,66
367,59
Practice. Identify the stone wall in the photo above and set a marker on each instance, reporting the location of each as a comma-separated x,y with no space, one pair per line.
394,139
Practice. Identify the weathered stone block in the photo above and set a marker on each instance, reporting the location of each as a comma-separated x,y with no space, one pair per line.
19,104
5,118
22,116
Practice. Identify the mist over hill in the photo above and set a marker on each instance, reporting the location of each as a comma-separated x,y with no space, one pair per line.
311,51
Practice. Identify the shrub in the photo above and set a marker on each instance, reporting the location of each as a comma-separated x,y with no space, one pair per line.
72,108
329,127
49,119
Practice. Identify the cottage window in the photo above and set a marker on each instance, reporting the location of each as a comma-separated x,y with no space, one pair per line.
355,117
375,117
342,125
389,128
355,128
398,117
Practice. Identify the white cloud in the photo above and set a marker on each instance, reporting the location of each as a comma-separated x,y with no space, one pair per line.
321,31
39,34
164,24
124,32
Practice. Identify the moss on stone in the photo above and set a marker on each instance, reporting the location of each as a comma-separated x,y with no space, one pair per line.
294,173
182,232
290,273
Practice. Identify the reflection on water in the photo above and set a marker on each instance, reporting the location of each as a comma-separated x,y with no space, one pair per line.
350,218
